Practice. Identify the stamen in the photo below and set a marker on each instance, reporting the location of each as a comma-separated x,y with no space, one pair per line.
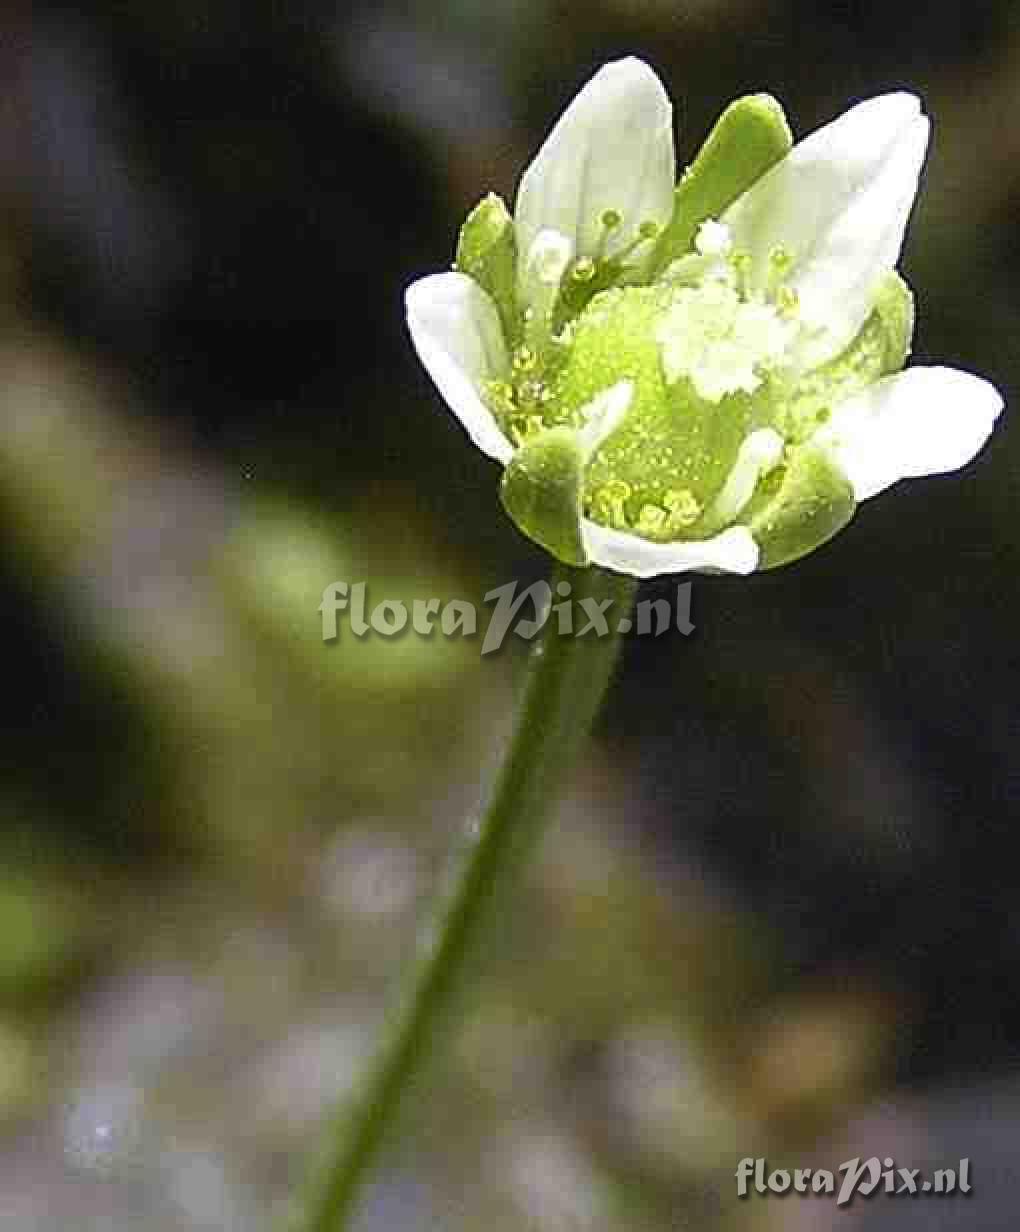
499,397
526,427
741,263
609,221
679,510
780,264
787,301
583,270
652,522
683,508
532,393
647,232
608,505
694,268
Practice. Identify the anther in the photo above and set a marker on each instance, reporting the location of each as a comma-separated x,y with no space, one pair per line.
646,232
652,522
787,301
609,504
531,393
741,263
526,427
780,263
682,507
609,221
584,270
780,258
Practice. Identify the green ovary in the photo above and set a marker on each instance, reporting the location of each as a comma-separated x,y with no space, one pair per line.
659,471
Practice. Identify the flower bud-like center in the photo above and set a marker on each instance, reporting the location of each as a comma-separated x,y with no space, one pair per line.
699,348
718,406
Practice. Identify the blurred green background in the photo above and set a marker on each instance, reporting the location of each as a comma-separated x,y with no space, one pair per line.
779,912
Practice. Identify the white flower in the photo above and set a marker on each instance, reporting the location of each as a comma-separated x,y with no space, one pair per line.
751,330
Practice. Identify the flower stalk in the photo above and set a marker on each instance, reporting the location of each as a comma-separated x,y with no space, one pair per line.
568,677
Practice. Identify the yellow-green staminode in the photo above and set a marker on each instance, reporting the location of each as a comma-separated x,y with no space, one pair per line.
702,375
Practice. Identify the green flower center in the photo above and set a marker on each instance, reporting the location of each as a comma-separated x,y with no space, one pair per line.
696,358
721,415
699,349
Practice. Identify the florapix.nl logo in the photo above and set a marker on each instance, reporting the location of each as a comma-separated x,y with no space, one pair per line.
522,611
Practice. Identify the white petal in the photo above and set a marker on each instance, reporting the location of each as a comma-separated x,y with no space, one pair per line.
732,551
456,331
839,203
924,421
612,149
759,453
603,415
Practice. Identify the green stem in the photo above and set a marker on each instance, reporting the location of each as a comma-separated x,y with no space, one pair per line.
568,678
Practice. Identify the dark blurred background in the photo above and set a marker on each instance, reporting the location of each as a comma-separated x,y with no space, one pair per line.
779,914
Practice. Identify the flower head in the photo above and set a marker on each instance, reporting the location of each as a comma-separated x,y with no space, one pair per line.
701,375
